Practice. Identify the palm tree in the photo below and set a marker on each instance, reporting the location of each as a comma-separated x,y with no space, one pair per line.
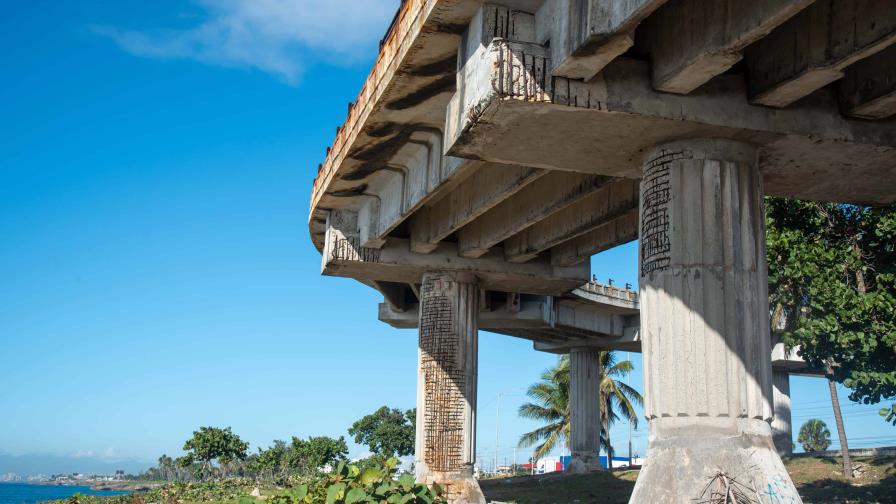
552,395
617,397
551,405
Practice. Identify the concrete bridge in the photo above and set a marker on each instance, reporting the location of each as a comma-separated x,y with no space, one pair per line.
496,146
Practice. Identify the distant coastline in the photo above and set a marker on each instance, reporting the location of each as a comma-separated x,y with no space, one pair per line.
102,486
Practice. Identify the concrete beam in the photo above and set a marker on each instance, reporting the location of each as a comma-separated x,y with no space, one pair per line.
415,174
612,201
692,41
530,205
488,186
531,315
603,125
344,256
616,232
868,90
586,35
813,49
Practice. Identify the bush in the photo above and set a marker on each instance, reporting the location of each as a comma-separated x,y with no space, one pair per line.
375,484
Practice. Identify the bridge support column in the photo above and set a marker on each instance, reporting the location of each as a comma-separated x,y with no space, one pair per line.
446,385
782,428
705,329
584,410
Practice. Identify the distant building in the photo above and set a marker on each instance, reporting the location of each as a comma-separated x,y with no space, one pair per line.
9,477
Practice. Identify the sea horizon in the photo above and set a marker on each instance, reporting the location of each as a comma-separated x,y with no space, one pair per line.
32,492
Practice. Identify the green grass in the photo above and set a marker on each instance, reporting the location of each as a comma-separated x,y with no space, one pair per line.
818,481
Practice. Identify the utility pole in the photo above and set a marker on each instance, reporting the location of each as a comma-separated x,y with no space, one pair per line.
497,429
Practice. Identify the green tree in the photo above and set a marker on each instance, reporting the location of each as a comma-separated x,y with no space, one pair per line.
210,444
814,436
271,463
387,432
311,455
832,288
551,405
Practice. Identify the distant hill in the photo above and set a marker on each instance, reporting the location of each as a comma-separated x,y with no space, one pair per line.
39,463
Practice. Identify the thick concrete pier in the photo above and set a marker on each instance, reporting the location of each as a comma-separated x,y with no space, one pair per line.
705,327
584,410
446,385
782,426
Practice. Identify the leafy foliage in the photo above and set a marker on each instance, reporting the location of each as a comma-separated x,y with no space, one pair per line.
210,444
814,436
832,288
551,394
889,414
349,484
312,455
387,432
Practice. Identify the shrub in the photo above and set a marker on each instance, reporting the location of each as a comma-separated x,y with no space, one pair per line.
375,484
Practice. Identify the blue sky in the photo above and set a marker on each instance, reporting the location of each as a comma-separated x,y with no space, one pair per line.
156,160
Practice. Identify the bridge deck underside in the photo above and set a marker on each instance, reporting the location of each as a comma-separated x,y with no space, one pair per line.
507,139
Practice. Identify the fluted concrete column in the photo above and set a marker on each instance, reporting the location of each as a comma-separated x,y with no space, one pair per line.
446,385
782,428
705,328
584,410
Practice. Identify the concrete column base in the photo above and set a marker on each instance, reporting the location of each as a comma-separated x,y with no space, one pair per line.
696,463
581,463
457,488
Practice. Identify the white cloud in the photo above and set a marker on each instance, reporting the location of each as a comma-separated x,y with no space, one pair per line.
274,36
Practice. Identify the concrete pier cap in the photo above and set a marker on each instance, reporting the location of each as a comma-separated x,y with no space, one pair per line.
704,325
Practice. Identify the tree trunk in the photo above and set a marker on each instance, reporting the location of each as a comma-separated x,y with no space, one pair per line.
841,431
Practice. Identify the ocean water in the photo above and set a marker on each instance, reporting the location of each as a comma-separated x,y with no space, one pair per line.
23,493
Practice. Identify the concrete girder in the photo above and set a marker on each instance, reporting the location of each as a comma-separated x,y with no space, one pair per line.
610,120
611,202
622,229
531,204
586,35
685,58
483,190
868,89
416,173
813,49
344,256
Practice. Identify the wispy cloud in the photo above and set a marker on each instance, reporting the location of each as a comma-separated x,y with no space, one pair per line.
274,36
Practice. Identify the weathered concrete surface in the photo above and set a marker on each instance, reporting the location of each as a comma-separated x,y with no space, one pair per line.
395,262
446,385
553,193
813,48
584,410
782,424
868,89
705,325
586,35
692,41
611,120
479,193
612,201
622,229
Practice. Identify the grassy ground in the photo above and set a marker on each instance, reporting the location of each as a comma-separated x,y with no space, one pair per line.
818,480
